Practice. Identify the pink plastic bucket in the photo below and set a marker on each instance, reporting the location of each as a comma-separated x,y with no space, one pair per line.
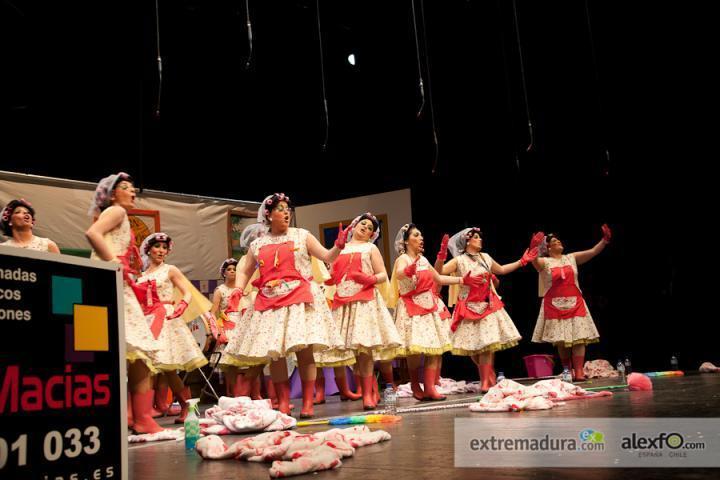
539,365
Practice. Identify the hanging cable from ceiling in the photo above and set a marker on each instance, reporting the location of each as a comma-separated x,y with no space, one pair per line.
159,59
322,78
248,22
599,90
425,56
531,127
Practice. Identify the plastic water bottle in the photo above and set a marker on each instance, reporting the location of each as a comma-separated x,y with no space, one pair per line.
500,377
628,366
566,375
390,399
192,424
674,363
621,371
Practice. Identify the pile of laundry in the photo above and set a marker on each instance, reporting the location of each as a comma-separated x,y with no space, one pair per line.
708,367
243,415
599,369
292,453
229,416
447,386
510,396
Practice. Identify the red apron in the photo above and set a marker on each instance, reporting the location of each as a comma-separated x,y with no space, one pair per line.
277,266
563,285
342,266
147,295
233,306
483,293
424,284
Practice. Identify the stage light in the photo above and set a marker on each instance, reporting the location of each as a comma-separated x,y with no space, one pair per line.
351,59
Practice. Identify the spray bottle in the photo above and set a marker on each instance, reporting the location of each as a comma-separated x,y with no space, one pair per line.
192,424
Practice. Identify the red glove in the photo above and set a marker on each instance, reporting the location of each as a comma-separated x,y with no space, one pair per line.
362,278
473,280
607,233
342,237
537,239
442,253
411,269
179,310
329,281
529,256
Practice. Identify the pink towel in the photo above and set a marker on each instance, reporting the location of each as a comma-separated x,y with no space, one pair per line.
510,396
292,453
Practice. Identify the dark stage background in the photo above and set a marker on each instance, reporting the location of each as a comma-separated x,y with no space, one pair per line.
622,98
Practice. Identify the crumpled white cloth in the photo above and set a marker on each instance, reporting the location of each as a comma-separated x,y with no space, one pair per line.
448,386
167,434
599,369
243,415
510,396
292,453
708,367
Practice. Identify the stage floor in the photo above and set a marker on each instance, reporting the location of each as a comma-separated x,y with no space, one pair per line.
422,443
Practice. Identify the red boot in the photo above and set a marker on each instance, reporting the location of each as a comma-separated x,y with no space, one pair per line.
161,401
183,396
272,394
437,378
319,391
358,384
242,386
130,420
308,394
486,372
376,389
578,364
417,390
430,392
255,389
566,363
387,376
142,408
345,392
369,402
283,394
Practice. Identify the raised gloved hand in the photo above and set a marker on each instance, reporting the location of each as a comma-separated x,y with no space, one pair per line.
537,239
411,269
342,237
607,233
179,310
362,278
529,256
442,253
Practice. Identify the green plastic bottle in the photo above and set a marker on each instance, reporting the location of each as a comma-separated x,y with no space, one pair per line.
192,424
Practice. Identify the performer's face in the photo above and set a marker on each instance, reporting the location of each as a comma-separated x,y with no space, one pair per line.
363,230
280,216
21,218
415,241
158,252
124,195
475,242
230,272
555,246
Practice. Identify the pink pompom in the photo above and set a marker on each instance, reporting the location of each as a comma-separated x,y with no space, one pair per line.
638,381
